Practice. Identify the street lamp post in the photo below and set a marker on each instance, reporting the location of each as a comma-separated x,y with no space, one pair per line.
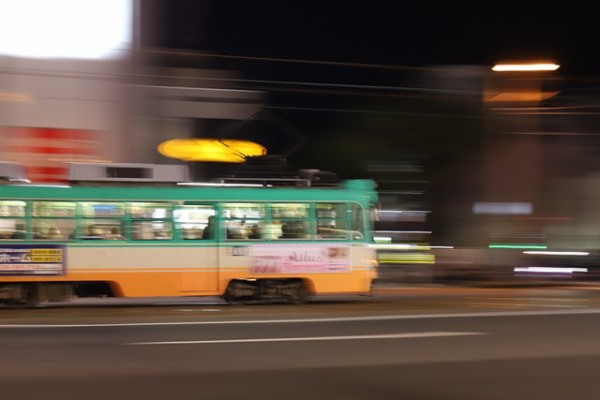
513,159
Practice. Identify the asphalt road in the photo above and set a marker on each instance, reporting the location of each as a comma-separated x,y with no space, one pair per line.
435,344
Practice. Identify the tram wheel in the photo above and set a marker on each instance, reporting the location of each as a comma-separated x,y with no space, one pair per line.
23,296
297,293
231,294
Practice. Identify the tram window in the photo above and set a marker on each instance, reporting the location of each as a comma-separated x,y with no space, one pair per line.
12,208
294,229
292,219
243,210
289,210
102,229
236,229
53,229
12,229
244,221
191,220
150,210
151,230
331,221
102,209
358,222
53,209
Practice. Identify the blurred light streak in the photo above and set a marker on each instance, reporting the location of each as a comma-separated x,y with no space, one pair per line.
509,97
80,160
374,262
404,211
525,67
503,208
550,133
382,239
15,97
312,338
559,253
392,232
295,61
216,184
400,246
517,246
553,108
543,112
406,258
389,90
79,29
340,110
550,270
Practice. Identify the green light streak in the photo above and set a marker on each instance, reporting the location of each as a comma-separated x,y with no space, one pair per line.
518,246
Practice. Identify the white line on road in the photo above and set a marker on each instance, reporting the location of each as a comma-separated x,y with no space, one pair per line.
317,320
314,338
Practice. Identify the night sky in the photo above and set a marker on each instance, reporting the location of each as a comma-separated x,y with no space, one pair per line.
331,69
383,32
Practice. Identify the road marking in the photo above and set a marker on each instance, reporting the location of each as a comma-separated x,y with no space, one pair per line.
317,320
313,338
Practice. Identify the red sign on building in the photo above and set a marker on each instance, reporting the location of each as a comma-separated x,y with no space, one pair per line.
45,151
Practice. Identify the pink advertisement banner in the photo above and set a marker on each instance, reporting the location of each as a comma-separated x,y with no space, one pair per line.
301,258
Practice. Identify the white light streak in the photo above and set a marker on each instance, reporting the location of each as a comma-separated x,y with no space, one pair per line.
215,184
503,208
399,246
525,67
558,253
550,270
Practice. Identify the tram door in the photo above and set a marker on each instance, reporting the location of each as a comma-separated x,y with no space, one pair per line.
200,264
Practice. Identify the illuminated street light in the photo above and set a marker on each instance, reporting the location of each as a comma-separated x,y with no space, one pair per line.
522,90
525,67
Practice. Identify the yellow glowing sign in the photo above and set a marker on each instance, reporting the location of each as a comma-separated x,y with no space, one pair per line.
214,150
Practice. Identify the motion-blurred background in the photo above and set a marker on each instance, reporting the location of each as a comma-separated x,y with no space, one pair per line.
483,173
